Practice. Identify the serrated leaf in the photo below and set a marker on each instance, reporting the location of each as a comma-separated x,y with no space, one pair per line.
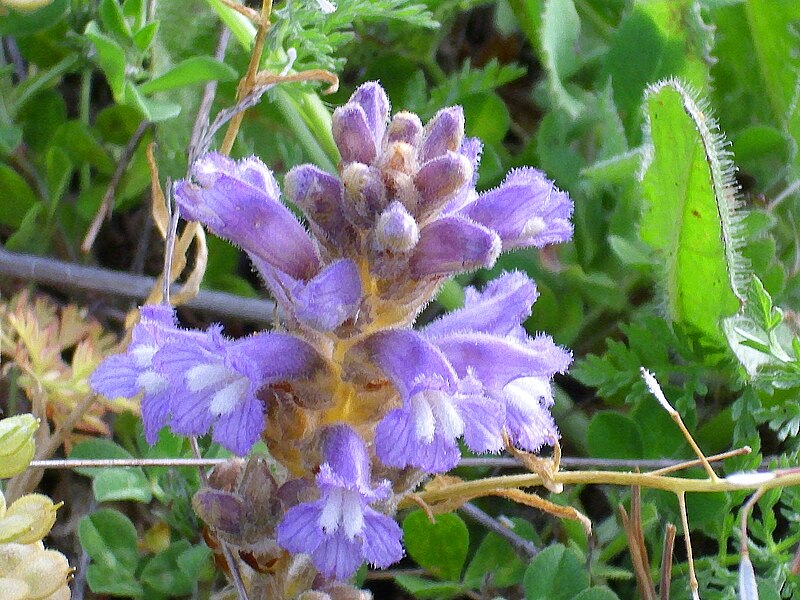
689,212
197,69
440,547
556,573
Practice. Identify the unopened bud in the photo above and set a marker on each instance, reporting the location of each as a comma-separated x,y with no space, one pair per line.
404,127
28,519
396,230
365,194
443,133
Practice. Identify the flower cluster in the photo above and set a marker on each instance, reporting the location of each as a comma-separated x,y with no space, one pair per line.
347,382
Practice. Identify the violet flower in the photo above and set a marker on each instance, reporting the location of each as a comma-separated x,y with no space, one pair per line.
340,530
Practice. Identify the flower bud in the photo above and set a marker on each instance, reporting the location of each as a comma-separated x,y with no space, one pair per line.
364,192
443,133
352,134
396,230
440,179
404,127
45,573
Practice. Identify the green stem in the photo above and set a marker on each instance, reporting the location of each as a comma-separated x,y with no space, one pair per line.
33,85
319,149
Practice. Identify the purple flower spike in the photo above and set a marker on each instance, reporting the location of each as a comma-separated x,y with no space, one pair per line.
352,134
126,375
443,133
214,382
330,298
499,309
452,245
341,530
526,210
320,196
238,201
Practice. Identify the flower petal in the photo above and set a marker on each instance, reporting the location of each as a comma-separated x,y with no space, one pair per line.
373,100
330,298
409,361
116,377
344,451
438,180
337,556
239,429
320,196
528,421
501,307
382,535
443,133
453,245
300,531
495,361
352,134
526,210
252,218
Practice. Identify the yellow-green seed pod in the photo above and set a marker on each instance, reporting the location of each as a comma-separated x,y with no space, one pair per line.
16,443
13,555
45,573
13,589
15,431
28,519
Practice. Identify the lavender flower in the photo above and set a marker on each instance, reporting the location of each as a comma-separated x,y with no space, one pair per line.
340,530
128,374
214,382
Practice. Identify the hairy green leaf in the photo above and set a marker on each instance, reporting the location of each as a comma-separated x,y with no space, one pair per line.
689,211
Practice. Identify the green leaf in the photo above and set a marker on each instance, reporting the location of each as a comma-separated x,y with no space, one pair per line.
425,588
440,547
104,580
486,117
122,484
689,211
556,573
561,27
16,197
109,538
631,252
10,137
97,448
597,593
617,169
614,435
58,172
163,573
113,20
241,27
494,561
451,295
771,28
31,235
145,36
110,57
83,146
197,69
192,561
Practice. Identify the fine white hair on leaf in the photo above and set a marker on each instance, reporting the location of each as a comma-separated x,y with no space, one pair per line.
655,389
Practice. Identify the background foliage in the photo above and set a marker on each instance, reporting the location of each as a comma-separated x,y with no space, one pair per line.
680,263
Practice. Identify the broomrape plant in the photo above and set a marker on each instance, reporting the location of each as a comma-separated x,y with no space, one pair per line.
356,405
